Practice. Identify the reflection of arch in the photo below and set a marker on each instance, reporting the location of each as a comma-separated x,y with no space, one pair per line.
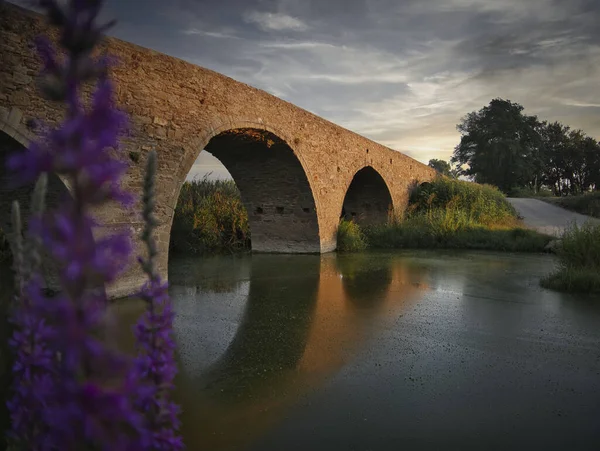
368,200
298,328
273,183
274,329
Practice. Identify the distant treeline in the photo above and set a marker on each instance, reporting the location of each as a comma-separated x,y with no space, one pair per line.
506,148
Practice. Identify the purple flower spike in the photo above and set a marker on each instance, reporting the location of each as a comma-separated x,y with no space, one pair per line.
72,391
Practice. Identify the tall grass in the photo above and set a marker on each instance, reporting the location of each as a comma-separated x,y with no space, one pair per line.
209,217
579,261
350,237
455,214
472,202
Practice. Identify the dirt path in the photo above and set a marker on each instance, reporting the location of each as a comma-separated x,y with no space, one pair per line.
547,218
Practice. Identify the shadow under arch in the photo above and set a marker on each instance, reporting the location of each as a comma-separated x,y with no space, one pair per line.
10,191
368,200
274,187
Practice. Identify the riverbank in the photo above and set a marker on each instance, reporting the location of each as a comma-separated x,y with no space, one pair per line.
579,261
449,214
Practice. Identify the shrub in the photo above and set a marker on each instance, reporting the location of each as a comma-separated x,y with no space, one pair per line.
573,280
528,192
472,202
436,231
210,216
586,204
350,237
448,213
581,246
579,261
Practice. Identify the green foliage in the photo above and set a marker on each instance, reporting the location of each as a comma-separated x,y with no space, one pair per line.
580,246
210,217
529,192
502,146
453,214
579,261
573,280
441,166
586,204
571,160
499,144
452,230
350,237
462,202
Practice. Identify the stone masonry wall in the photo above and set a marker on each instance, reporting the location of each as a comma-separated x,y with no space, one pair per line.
178,108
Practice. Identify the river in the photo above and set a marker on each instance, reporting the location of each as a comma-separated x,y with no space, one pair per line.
381,351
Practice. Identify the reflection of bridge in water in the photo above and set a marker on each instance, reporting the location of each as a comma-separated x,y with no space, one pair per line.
298,328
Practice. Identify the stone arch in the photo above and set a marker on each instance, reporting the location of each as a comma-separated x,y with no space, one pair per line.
14,136
56,190
274,184
368,199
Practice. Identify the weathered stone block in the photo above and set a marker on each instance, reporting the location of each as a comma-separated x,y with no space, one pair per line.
20,98
21,79
159,121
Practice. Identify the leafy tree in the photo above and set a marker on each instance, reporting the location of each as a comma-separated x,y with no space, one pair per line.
571,160
441,166
499,144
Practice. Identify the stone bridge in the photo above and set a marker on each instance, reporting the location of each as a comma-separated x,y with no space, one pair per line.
296,172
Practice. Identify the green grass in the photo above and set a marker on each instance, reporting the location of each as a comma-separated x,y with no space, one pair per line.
350,237
586,204
437,232
209,217
475,203
579,261
452,214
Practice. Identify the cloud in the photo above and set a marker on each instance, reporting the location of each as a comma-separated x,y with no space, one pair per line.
211,34
401,73
275,21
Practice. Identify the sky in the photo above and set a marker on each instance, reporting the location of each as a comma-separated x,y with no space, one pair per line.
400,72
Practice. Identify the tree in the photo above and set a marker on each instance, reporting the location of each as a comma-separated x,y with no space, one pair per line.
441,166
499,144
571,160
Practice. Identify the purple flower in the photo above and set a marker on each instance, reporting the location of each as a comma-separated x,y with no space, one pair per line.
33,369
156,369
85,399
72,391
155,366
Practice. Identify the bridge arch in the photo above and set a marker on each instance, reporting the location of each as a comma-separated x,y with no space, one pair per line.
368,199
14,137
273,182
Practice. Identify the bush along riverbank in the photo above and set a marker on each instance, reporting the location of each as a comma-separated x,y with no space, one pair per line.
449,214
579,261
586,204
210,217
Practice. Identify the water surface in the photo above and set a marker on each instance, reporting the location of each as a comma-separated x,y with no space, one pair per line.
420,350
381,351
